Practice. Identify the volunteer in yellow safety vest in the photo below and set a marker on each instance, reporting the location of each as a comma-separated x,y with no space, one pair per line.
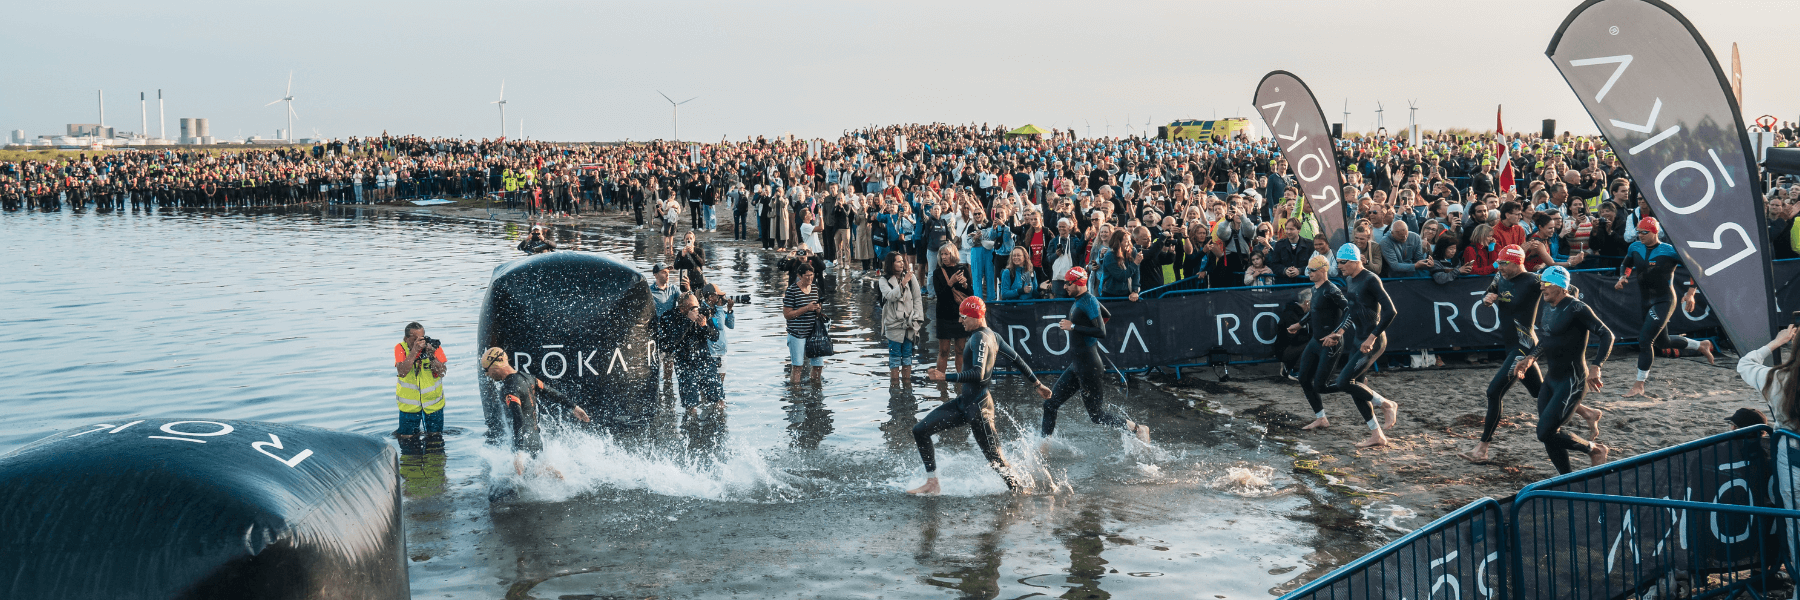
420,364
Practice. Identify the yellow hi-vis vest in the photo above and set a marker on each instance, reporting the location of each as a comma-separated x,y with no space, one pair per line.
419,389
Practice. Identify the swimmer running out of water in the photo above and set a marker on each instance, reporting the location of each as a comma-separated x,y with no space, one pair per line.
1654,263
1564,324
1365,324
521,392
1317,360
1514,293
973,405
1086,327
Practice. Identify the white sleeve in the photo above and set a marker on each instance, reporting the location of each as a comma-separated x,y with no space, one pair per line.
1752,368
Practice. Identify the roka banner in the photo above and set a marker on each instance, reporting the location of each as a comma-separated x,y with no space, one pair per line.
1657,93
1183,330
1299,127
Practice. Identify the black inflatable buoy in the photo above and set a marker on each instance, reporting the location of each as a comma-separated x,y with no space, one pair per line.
196,508
580,322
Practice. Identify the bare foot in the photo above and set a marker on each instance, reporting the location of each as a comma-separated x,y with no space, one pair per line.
1390,412
1637,389
1479,455
1142,431
1598,453
1706,349
1593,416
1319,423
929,489
1376,438
552,470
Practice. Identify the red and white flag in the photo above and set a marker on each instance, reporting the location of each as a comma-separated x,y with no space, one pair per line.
1506,168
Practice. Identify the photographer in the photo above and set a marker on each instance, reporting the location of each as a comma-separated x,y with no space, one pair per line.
419,362
719,309
801,255
689,259
686,334
536,242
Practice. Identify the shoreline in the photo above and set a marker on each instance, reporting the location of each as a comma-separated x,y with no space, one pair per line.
1369,497
1686,399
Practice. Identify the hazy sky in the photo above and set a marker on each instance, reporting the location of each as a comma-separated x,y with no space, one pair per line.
590,70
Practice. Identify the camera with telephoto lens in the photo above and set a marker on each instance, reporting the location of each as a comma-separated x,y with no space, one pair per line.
740,298
431,344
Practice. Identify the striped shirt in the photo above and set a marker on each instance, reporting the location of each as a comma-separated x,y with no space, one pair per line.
802,325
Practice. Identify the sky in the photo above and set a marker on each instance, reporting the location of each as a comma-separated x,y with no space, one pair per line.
591,71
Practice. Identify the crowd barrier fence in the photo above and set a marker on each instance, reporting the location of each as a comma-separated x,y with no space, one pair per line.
1697,520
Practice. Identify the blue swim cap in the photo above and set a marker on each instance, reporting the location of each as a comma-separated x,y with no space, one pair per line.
1349,252
1556,276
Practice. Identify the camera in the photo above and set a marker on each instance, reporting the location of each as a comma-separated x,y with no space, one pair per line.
432,343
740,298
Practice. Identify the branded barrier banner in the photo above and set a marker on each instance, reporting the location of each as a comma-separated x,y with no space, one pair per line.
1657,93
1611,549
1183,329
1458,556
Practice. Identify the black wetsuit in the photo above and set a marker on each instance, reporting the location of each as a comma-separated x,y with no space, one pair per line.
1371,311
973,405
1562,335
1084,371
1518,305
1654,269
1318,361
520,392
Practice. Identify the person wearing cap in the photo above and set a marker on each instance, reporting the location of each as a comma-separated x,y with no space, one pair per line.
1654,263
1086,327
686,334
1565,326
973,404
663,292
1324,316
1365,325
536,243
520,392
420,364
1514,292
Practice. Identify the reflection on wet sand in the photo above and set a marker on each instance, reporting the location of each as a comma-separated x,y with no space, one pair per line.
809,420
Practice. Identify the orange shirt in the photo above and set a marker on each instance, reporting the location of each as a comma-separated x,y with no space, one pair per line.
1504,235
400,354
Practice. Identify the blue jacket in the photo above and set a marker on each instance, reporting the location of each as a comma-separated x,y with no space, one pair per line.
1017,284
721,321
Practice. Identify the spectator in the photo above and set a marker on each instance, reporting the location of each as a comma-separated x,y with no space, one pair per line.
1018,281
1119,267
952,282
1482,251
1259,273
800,306
902,316
1403,252
686,334
1289,255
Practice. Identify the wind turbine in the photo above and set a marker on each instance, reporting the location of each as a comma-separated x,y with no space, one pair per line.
677,106
289,99
1090,128
1380,125
1412,112
1346,115
502,103
1127,125
1108,128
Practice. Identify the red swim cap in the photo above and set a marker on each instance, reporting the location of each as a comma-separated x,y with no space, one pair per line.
1649,224
1076,275
972,307
1512,253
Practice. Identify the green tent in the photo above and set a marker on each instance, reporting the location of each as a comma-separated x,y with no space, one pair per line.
1028,129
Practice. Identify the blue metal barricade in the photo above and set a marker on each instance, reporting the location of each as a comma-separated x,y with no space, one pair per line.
1627,527
1457,556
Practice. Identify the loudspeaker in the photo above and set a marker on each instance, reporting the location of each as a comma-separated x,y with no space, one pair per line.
1337,130
1550,128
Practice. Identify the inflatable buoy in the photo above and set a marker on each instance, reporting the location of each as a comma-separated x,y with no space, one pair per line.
198,508
580,323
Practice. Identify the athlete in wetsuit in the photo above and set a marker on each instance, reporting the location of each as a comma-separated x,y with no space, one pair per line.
1365,323
1654,263
973,405
1317,361
1514,293
521,392
1087,329
1564,324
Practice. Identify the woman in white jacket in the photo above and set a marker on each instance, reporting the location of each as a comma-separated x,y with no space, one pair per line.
1778,385
902,315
